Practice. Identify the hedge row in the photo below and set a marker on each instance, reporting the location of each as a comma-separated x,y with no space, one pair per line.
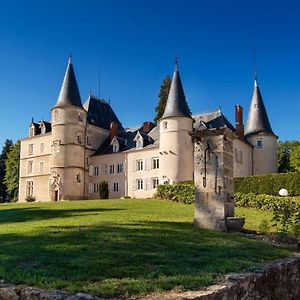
180,192
269,184
262,201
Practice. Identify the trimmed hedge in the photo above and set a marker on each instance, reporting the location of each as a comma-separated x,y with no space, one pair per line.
180,192
269,184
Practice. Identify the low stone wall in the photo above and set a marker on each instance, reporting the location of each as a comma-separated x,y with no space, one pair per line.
280,280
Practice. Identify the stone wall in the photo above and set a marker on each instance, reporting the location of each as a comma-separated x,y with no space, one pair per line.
280,280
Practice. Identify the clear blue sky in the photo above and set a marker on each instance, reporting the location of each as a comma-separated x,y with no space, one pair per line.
135,43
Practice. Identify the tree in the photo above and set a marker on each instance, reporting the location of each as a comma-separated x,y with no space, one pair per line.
284,152
295,158
3,157
12,165
163,97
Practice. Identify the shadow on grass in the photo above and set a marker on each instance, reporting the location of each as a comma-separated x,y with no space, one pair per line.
35,213
128,259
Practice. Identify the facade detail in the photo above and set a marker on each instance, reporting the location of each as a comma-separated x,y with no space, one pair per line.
85,143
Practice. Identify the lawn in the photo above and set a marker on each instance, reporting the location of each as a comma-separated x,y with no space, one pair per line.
119,248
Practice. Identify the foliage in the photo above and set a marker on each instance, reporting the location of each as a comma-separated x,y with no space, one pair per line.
103,190
163,97
295,158
269,184
119,248
180,192
3,157
284,151
285,210
12,164
30,198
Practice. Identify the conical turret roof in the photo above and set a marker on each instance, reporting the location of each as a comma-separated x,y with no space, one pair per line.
69,93
258,120
176,103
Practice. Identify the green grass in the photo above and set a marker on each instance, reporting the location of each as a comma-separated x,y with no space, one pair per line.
119,247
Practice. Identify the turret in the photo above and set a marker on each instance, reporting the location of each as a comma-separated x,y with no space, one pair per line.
176,147
259,133
68,170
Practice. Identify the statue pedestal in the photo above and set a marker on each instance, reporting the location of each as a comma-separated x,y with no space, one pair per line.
213,176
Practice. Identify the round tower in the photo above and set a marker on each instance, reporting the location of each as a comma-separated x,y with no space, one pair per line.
259,133
175,145
68,119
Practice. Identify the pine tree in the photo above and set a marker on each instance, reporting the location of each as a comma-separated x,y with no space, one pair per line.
3,156
12,164
163,97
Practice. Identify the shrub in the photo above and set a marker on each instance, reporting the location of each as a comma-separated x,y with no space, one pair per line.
103,190
180,192
30,198
269,184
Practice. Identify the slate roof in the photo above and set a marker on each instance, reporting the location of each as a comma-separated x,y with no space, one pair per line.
100,113
213,119
37,126
69,92
176,103
258,120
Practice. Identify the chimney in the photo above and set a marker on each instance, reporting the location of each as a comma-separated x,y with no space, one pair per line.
147,126
239,121
113,130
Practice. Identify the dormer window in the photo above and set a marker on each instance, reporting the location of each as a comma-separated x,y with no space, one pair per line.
43,129
115,145
31,130
139,141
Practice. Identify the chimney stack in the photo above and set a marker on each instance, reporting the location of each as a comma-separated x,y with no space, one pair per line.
239,121
147,126
113,130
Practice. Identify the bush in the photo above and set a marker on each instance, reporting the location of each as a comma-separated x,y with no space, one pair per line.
103,190
30,199
180,192
269,184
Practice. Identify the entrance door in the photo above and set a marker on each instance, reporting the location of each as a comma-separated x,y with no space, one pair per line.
56,195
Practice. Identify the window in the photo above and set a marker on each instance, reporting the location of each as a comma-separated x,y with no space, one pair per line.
139,165
30,167
140,184
42,148
155,182
115,147
79,118
259,144
116,186
111,169
79,138
96,171
31,131
78,177
55,115
29,188
165,125
56,146
43,130
87,140
30,149
87,161
41,167
139,142
120,168
155,163
96,187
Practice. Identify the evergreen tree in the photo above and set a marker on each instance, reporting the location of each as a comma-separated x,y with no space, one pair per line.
3,157
12,165
163,97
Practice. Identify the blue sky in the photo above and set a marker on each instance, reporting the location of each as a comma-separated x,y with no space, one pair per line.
135,43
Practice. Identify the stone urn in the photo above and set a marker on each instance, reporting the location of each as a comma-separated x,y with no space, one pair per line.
234,223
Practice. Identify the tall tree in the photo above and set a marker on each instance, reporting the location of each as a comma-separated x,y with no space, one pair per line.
3,157
295,158
284,151
12,165
163,97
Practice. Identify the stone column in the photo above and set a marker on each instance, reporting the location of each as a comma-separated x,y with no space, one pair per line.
213,175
